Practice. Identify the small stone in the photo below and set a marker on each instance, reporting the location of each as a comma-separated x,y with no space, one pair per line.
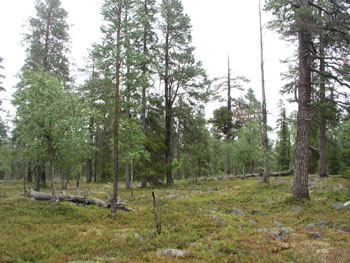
286,230
138,237
341,187
171,196
237,212
321,223
174,253
277,223
253,221
337,206
262,229
310,226
344,228
315,234
257,211
220,221
314,187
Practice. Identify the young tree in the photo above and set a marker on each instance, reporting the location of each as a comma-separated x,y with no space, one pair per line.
48,120
283,140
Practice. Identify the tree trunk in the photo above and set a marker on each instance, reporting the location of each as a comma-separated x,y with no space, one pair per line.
300,186
264,111
24,180
63,181
144,88
168,114
127,175
322,162
228,154
37,178
78,199
29,174
89,171
53,186
228,161
42,175
116,122
178,155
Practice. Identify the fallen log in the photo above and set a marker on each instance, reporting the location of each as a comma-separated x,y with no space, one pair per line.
78,199
276,174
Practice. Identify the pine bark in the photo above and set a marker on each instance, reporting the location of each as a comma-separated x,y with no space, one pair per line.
228,135
37,178
168,113
116,122
264,112
300,186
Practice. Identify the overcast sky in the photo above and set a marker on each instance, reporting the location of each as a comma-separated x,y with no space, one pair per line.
228,27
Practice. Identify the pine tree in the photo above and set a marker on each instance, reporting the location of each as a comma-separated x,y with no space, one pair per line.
47,42
178,69
310,20
283,140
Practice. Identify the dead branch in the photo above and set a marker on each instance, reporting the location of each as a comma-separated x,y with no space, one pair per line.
78,199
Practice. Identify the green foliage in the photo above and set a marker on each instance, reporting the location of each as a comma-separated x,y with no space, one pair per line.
344,148
49,119
132,141
47,40
283,143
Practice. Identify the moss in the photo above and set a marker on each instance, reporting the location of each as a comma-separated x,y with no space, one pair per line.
32,232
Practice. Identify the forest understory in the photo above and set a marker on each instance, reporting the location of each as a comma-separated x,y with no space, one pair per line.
219,219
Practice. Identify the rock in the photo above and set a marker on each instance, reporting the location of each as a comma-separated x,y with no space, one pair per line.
257,211
286,230
237,212
262,229
315,234
344,228
171,196
341,187
213,211
174,253
138,237
214,202
280,245
277,223
295,209
321,199
310,226
321,223
314,187
160,200
220,221
337,206
253,221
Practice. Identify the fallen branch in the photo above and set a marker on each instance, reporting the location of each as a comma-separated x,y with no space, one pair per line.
78,199
276,174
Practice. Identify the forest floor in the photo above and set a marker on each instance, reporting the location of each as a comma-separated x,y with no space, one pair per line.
219,219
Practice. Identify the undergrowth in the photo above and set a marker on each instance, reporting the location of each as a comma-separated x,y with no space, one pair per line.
195,217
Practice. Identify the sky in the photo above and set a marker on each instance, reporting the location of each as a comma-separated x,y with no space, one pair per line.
226,28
